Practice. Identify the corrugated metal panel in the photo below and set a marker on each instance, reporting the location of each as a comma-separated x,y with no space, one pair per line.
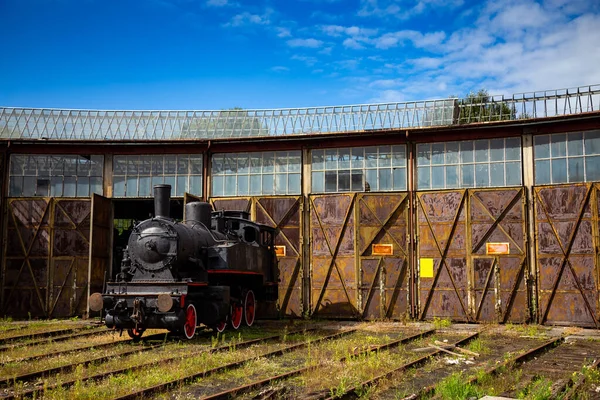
567,254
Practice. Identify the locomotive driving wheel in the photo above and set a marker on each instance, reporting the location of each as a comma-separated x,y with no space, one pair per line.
237,312
135,333
249,307
220,326
191,320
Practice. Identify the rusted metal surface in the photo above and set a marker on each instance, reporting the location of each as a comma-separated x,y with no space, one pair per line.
101,245
284,213
384,279
468,283
334,276
567,254
232,204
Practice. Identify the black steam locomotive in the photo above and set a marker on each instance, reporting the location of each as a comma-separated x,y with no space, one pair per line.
211,268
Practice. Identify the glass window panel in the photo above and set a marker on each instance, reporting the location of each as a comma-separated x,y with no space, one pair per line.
358,157
157,180
119,186
575,144
169,180
30,166
371,157
183,163
132,165
559,170
243,164
293,184
558,146
356,181
170,165
385,156
294,161
452,152
58,165
423,181
281,162
95,185
97,166
437,153
592,142
70,186
399,176
120,165
229,164
218,188
267,184
157,165
592,168
344,181
255,163
15,186
437,177
145,186
44,166
466,152
145,165
230,185
542,172
575,166
70,166
17,163
452,176
331,159
513,173
131,188
385,179
482,175
330,181
196,165
467,175
268,162
481,151
318,182
280,184
218,164
43,187
83,186
513,149
181,186
497,174
83,167
399,156
497,150
195,185
344,158
243,188
371,180
423,154
56,186
318,163
255,184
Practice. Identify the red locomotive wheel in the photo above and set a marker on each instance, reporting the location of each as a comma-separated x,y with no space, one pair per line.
237,312
249,307
220,327
135,333
189,327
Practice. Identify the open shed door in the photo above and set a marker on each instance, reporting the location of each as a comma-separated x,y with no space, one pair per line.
99,266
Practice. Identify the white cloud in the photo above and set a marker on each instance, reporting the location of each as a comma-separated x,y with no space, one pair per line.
309,61
402,9
217,3
352,44
247,18
418,39
283,32
280,68
310,43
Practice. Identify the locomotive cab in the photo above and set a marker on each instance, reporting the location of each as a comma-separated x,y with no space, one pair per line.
212,269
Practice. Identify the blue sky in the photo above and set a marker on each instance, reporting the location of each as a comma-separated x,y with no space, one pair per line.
216,54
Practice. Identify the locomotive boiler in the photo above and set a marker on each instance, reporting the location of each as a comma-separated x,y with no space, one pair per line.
212,269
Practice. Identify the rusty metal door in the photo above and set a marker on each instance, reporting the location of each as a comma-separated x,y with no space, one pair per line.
232,204
26,258
101,244
461,275
333,274
69,259
284,213
566,221
383,252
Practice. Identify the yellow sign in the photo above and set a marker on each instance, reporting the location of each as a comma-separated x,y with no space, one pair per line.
280,251
426,267
382,250
497,248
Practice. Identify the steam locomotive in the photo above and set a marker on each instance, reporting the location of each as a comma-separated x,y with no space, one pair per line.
210,269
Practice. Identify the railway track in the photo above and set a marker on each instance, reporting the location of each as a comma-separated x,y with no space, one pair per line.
9,393
58,338
37,335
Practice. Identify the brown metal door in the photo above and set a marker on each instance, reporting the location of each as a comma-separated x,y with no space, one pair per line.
232,204
382,232
333,275
26,258
566,220
285,215
499,277
101,244
69,260
442,255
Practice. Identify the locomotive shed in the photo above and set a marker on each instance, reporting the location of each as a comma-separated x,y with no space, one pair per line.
445,209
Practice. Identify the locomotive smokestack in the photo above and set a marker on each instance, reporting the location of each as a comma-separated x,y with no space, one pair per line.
162,201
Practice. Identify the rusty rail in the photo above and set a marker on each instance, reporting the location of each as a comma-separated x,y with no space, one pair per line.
60,338
37,335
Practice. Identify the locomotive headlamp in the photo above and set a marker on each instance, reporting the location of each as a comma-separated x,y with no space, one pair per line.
164,302
96,302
